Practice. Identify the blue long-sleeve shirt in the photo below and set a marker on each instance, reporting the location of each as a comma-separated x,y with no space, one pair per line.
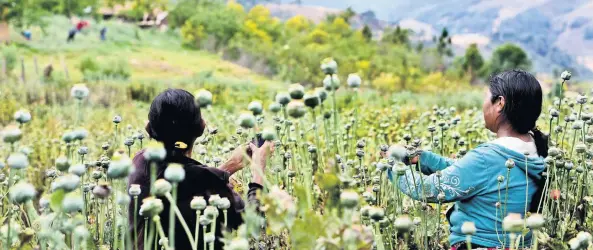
471,182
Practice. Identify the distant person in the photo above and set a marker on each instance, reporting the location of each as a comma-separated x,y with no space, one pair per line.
103,34
79,26
26,34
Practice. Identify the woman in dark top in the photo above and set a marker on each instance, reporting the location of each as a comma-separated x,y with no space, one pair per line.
175,120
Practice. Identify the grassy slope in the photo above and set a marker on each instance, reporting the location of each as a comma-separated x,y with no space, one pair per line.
152,55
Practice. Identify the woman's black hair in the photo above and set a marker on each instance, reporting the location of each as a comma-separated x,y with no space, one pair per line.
175,120
523,105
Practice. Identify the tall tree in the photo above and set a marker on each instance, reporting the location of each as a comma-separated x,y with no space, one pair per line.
367,33
509,56
472,62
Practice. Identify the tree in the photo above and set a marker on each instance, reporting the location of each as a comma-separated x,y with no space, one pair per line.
444,44
347,14
21,13
398,36
472,61
367,33
509,56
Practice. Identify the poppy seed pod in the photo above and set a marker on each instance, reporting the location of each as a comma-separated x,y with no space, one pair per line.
296,109
175,173
581,99
275,107
577,125
246,120
83,150
22,116
134,190
331,82
296,91
151,206
203,98
224,203
510,163
512,223
376,213
535,221
311,100
255,107
553,151
468,228
117,119
283,98
198,203
397,152
17,161
21,192
77,169
349,199
441,197
119,167
566,75
354,81
500,178
204,220
79,91
580,148
155,151
102,191
72,203
128,142
268,134
329,66
321,93
11,134
161,187
211,212
403,224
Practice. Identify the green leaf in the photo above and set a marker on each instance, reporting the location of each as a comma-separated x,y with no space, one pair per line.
55,202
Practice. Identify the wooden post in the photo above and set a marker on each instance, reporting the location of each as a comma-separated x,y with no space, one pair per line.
23,71
36,66
65,68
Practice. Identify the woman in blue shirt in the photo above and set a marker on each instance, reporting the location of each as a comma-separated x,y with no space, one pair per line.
511,109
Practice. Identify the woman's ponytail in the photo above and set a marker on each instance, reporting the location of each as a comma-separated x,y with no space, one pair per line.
541,143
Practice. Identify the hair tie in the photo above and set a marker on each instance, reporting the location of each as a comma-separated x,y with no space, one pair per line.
180,145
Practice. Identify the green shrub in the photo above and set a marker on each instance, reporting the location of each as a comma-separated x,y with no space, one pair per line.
117,69
10,55
90,68
143,92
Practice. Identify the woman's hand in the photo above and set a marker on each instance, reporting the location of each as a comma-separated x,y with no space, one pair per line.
235,163
413,160
259,157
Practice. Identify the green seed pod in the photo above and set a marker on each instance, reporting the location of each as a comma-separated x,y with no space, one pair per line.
161,187
275,107
255,107
296,109
246,120
203,98
566,75
312,100
21,193
175,173
403,224
11,134
268,134
72,203
296,91
22,116
321,93
17,161
198,203
354,81
331,82
283,98
349,199
329,66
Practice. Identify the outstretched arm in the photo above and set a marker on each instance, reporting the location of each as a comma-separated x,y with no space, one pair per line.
431,162
458,181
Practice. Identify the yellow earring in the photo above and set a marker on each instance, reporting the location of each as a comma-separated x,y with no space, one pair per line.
180,145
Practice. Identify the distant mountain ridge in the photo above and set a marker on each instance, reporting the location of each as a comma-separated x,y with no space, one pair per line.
558,34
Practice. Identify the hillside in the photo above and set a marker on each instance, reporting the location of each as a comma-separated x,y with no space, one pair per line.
558,34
